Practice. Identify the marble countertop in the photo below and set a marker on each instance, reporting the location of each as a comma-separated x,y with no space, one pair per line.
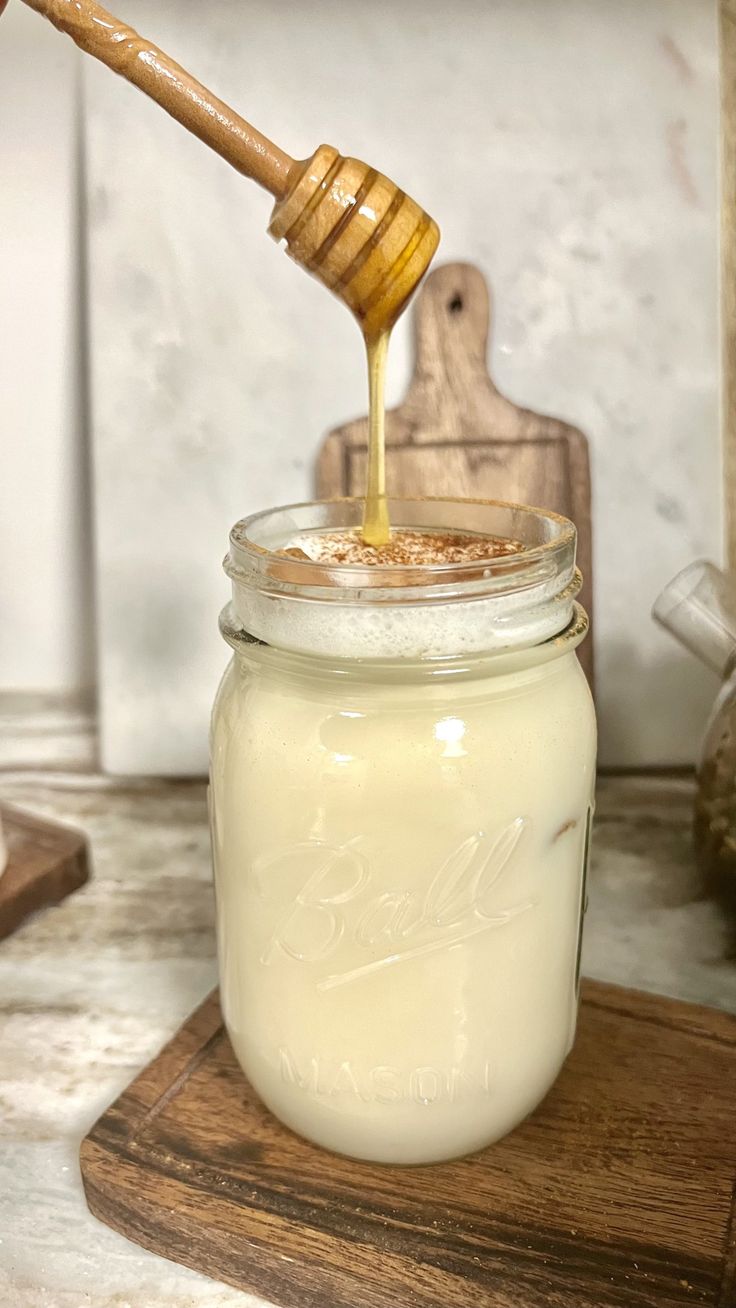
91,989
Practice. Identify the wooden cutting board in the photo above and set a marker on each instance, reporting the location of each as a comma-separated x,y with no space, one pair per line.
617,1193
46,862
455,434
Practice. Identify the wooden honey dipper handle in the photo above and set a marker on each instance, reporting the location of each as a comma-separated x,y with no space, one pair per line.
347,224
100,34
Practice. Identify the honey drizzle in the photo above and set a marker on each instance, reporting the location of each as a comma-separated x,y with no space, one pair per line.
376,528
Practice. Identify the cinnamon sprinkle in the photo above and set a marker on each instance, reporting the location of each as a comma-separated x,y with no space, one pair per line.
406,549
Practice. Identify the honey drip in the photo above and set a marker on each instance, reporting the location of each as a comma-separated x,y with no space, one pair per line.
376,527
377,317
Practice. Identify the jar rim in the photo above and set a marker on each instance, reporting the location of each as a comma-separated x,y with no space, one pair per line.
397,610
255,542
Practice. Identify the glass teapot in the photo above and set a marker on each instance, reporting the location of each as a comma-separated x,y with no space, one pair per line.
698,607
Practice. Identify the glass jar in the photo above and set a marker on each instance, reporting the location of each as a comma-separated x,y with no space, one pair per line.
401,786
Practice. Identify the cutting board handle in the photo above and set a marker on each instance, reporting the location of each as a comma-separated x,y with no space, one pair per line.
451,325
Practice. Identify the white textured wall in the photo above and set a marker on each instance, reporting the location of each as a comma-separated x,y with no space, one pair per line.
45,587
569,147
588,198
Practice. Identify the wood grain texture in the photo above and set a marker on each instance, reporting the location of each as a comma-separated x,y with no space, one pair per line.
728,263
46,863
618,1191
455,434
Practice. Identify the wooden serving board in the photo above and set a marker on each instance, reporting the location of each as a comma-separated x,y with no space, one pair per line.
455,434
617,1193
46,862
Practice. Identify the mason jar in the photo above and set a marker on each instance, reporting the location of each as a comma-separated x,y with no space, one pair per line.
402,771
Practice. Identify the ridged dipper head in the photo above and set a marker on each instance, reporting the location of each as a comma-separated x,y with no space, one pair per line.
364,238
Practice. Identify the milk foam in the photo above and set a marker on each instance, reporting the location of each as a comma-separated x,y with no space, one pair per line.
369,621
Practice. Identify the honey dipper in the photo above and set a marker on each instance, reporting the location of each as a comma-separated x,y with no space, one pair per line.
344,222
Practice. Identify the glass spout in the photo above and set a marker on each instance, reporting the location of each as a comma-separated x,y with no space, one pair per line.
699,608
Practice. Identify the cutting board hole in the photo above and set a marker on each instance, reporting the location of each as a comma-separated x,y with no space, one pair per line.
456,303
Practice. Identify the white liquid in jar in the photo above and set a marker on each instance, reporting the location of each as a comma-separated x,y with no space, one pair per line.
399,871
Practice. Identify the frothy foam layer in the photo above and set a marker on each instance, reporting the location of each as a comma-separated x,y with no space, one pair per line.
406,548
376,608
456,577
